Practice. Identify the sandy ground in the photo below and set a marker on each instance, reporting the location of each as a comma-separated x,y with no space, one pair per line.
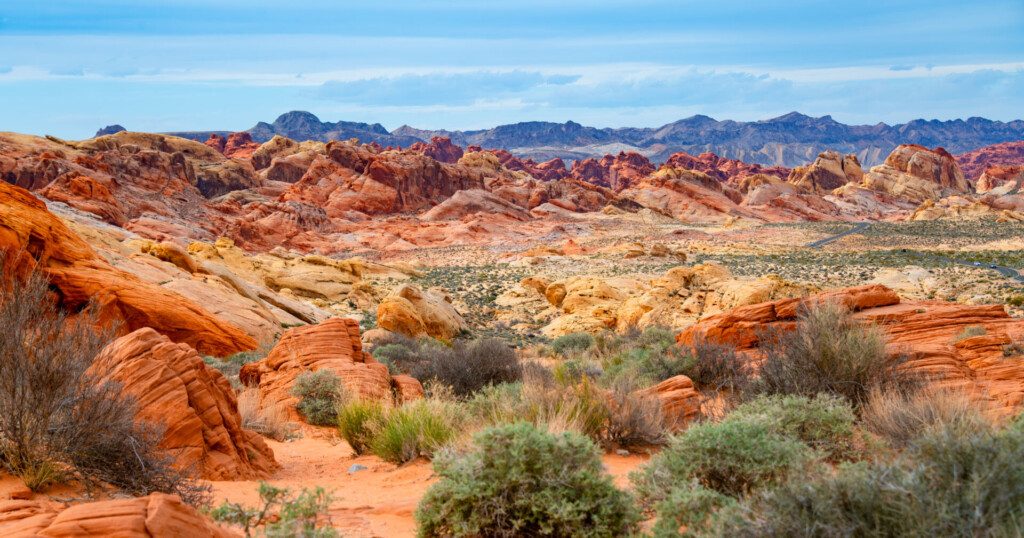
378,501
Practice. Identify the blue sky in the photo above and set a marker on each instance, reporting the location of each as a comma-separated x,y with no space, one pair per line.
70,67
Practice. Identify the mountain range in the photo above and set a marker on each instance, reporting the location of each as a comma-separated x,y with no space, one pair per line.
789,140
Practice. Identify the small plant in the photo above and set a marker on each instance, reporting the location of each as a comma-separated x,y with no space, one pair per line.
411,431
827,352
901,417
732,457
369,320
320,394
280,514
691,507
359,421
572,342
1015,300
231,366
969,332
718,367
272,422
468,367
633,418
520,481
824,422
1013,349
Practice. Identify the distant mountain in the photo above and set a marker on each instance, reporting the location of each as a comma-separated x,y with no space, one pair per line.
789,140
109,130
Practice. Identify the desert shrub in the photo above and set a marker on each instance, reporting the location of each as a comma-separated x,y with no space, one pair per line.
969,332
497,404
272,422
568,343
828,352
232,365
691,507
716,367
359,421
60,420
633,419
413,430
947,483
520,481
563,405
393,355
824,422
1015,300
900,417
467,367
281,514
731,457
320,393
368,320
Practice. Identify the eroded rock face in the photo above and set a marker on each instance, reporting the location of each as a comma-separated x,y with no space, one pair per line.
688,196
978,162
33,237
614,172
828,172
926,332
440,149
468,202
680,401
155,515
195,404
916,173
333,345
414,312
721,168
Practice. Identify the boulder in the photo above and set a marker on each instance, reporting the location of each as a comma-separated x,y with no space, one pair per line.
680,401
828,172
916,173
196,405
153,516
414,312
335,346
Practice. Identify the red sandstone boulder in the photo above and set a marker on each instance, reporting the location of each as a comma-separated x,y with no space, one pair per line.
440,149
828,172
916,173
239,145
333,345
195,404
680,401
32,237
154,516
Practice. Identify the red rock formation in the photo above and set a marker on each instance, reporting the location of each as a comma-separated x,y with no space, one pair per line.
617,172
333,345
975,163
688,196
828,172
722,168
680,401
545,171
926,332
240,145
440,149
216,142
32,237
152,516
996,176
195,404
917,173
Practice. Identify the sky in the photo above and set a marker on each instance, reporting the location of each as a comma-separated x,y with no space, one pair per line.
68,68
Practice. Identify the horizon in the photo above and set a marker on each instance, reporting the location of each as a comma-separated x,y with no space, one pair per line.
69,68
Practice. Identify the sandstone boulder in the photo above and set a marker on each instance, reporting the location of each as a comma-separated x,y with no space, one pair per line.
916,174
412,311
828,172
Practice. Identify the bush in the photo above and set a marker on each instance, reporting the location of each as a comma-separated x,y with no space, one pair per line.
60,420
411,431
572,342
718,367
634,419
900,417
946,484
280,514
231,366
519,481
563,405
272,422
969,332
828,352
320,394
467,368
824,422
359,421
731,457
690,507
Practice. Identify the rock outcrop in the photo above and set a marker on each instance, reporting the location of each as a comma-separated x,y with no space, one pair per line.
926,332
976,163
193,403
440,149
828,172
335,346
916,174
34,238
680,401
728,170
153,516
616,172
414,312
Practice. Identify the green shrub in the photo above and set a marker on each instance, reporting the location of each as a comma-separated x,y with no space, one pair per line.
946,484
828,352
1015,300
280,514
715,367
358,422
393,356
467,367
320,394
731,457
572,342
824,422
411,431
497,404
519,481
690,507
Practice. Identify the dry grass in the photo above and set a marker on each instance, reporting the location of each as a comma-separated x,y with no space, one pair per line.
272,422
900,417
